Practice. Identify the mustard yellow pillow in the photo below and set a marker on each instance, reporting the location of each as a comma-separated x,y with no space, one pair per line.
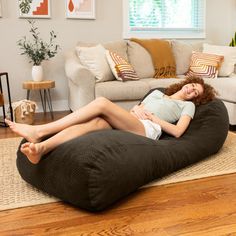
204,65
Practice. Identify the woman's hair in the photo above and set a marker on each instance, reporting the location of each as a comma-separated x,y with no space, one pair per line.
209,93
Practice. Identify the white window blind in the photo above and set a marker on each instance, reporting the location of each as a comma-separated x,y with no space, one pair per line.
164,18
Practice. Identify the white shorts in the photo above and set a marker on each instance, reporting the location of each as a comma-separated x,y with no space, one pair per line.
152,130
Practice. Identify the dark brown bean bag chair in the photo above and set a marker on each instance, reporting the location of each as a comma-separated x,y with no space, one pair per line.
99,168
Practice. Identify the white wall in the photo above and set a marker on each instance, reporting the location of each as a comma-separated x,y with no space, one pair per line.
106,27
221,24
220,20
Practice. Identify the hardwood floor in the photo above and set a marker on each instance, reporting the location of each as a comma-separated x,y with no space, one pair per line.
205,207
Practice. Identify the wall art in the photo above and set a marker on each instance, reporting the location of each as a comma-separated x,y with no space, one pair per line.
34,8
80,9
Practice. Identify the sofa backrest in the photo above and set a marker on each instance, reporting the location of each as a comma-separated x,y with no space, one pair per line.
182,53
141,60
120,47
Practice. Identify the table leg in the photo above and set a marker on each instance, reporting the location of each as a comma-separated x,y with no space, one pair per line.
50,103
43,101
47,99
28,94
9,97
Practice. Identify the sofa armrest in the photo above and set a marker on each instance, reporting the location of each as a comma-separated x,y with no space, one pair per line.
76,72
81,82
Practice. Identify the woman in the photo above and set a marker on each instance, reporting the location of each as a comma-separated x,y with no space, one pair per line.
146,119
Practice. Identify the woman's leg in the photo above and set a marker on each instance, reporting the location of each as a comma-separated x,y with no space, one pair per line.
34,133
34,152
116,116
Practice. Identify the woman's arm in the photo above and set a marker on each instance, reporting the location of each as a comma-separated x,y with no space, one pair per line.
172,129
140,112
175,130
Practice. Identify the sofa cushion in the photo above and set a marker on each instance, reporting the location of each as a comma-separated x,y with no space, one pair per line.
182,53
224,86
204,65
121,91
157,83
94,58
162,56
141,60
131,90
120,47
120,68
229,53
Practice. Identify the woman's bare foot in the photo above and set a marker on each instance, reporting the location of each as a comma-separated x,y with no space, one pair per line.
34,152
29,132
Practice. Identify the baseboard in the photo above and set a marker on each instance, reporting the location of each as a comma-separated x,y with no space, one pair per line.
59,105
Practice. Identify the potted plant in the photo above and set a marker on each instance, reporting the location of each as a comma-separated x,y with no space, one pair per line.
38,50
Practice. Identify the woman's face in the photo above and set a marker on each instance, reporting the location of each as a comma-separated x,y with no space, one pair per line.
192,90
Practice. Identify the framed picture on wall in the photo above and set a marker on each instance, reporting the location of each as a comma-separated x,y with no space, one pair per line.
80,9
34,8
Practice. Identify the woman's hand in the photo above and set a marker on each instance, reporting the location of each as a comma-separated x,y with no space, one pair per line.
152,117
175,130
139,112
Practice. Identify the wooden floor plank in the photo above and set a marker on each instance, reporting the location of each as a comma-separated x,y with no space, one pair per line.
204,207
191,208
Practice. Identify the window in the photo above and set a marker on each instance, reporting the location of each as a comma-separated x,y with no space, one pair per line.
164,18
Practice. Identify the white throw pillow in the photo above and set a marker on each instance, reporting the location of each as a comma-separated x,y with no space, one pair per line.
229,53
120,68
94,58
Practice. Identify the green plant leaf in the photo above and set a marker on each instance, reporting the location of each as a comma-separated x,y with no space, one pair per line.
25,6
38,50
233,41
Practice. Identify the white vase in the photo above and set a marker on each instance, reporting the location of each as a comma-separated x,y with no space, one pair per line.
37,73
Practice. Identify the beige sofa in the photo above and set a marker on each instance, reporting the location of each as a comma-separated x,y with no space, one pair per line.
84,87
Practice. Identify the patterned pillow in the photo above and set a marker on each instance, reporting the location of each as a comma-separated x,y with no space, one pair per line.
120,68
204,65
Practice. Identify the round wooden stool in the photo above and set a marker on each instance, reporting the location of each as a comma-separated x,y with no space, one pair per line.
44,90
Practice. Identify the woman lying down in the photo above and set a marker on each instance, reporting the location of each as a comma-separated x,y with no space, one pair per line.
170,112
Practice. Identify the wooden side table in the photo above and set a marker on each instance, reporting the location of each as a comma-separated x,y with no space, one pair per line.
44,90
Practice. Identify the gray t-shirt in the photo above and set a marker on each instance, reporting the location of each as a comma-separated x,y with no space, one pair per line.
166,108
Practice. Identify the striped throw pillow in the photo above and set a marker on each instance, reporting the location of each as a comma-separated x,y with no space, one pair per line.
204,65
120,68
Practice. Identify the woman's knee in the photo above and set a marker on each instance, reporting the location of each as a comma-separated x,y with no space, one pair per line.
102,102
100,123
